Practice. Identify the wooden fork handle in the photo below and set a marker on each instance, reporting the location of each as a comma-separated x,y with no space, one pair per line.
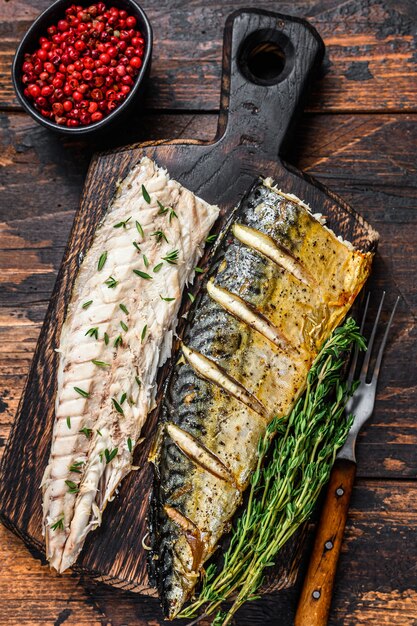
316,595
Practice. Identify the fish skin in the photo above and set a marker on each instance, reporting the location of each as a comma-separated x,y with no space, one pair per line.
304,306
96,479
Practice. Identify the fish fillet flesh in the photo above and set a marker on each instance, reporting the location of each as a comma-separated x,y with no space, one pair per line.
279,284
117,332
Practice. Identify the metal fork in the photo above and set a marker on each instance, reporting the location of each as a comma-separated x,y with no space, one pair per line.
314,603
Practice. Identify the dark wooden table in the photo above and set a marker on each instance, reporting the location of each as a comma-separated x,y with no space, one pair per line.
359,137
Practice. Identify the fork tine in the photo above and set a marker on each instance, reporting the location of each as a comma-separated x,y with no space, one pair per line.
365,366
384,341
356,350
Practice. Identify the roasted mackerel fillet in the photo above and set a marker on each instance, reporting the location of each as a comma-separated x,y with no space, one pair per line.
279,285
118,330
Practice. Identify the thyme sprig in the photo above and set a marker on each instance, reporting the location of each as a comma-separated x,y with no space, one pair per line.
123,224
162,209
110,454
87,432
111,282
72,486
171,257
287,480
159,236
76,467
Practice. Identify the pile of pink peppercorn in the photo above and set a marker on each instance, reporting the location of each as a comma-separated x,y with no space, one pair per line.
85,66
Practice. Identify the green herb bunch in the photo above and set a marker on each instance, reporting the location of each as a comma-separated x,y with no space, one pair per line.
287,480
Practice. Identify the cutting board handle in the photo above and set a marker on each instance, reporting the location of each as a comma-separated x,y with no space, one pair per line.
268,60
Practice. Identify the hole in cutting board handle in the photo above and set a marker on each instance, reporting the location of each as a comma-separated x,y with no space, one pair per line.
266,57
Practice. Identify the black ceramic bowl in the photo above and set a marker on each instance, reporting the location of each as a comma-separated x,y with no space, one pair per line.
29,43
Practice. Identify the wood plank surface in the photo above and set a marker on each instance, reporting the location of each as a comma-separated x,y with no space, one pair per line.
370,64
369,159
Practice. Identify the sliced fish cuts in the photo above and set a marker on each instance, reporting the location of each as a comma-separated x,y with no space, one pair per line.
117,332
279,284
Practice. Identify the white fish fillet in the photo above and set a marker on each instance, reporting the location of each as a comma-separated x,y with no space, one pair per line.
95,435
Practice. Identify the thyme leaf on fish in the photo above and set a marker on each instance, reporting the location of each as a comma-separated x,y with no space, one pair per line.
124,309
117,406
87,304
102,260
122,224
171,257
59,524
172,214
138,381
123,398
191,297
129,444
136,246
110,455
124,326
157,267
69,423
211,238
87,432
72,487
82,393
145,260
166,299
118,341
100,363
140,230
159,236
162,209
76,467
198,270
296,452
144,329
92,332
146,195
106,339
111,282
142,274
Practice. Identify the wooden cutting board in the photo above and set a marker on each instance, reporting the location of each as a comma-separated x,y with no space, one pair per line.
268,61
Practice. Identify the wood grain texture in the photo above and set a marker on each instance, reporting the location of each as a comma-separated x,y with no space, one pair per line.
371,62
316,593
253,124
